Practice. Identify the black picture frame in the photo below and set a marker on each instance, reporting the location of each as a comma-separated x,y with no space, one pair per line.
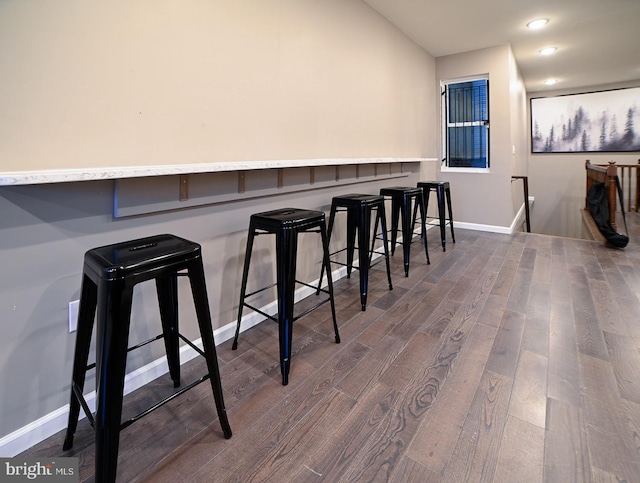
601,121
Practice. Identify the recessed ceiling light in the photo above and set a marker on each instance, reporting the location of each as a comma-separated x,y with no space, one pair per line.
538,24
550,82
548,50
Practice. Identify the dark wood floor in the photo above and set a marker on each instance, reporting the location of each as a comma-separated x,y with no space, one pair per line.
508,359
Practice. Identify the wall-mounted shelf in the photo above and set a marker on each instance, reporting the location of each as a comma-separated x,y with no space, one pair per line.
10,178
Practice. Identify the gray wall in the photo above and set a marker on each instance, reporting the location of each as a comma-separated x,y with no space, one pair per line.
93,83
487,198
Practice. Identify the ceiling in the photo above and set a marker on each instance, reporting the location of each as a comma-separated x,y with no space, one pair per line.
598,41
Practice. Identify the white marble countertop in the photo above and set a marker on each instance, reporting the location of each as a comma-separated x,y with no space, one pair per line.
11,178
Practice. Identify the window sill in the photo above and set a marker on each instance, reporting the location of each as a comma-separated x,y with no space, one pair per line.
446,169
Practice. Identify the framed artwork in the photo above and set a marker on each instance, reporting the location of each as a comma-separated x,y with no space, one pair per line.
605,121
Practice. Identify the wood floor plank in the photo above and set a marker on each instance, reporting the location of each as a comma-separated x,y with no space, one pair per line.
631,411
609,315
625,360
476,454
439,318
529,396
628,302
611,442
521,456
410,362
564,367
258,439
462,287
290,453
410,471
367,373
588,331
441,269
542,266
507,273
419,394
331,461
535,337
519,294
506,347
493,310
566,453
436,438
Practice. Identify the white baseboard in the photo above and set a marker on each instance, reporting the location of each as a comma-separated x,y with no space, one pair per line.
48,425
507,230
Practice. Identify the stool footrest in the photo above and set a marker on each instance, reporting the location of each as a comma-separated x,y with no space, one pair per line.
80,397
137,346
260,290
311,309
274,318
256,309
132,420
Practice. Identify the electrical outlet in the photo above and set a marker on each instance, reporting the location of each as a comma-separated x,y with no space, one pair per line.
73,315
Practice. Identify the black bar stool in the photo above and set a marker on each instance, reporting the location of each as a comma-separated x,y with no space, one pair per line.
402,199
442,190
109,276
359,208
285,224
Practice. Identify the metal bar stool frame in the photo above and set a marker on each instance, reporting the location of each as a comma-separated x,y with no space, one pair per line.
359,208
402,198
286,224
109,276
443,192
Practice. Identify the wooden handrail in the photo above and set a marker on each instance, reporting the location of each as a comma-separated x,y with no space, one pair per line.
629,184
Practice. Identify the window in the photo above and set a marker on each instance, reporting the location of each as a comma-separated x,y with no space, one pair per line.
465,116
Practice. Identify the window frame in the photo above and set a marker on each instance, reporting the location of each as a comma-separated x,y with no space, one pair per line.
444,98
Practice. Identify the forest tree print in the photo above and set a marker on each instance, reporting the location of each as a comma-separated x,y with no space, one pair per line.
596,121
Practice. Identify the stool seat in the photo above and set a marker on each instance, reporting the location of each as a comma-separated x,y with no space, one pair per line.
285,224
139,258
402,199
109,276
443,194
433,184
287,219
359,208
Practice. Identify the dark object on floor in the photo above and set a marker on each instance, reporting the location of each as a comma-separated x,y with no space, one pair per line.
599,208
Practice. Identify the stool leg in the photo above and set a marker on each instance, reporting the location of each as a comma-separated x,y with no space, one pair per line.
423,221
413,218
448,193
112,334
440,195
325,260
363,224
395,214
86,314
331,220
406,232
286,249
380,215
243,286
351,239
201,302
375,235
167,289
